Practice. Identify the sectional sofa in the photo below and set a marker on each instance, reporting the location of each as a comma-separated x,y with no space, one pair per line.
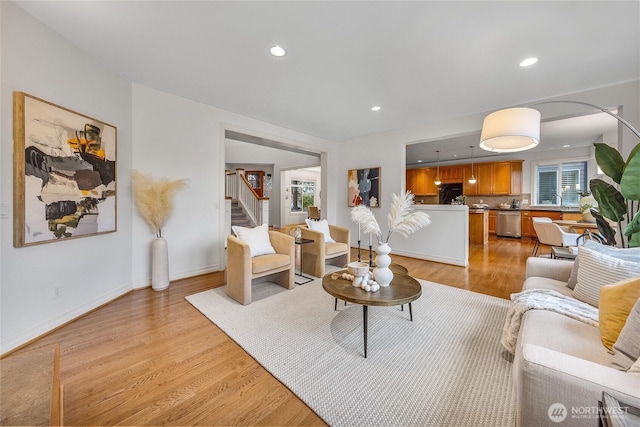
561,366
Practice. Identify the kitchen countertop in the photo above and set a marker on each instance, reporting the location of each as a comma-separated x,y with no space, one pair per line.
525,208
540,208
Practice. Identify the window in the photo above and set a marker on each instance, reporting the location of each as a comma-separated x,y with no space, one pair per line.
560,183
302,194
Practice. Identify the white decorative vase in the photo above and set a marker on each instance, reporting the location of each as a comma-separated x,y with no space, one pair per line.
381,273
585,204
159,264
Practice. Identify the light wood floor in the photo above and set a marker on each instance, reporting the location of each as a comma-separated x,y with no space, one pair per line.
150,358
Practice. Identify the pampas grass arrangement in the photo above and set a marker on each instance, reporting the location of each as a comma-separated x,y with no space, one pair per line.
402,218
154,199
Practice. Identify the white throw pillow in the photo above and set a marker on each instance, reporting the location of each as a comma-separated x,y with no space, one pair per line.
626,349
321,226
257,238
627,254
596,270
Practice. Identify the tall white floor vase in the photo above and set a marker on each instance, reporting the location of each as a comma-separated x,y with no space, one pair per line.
159,264
381,273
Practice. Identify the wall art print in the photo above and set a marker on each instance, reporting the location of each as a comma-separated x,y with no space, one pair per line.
64,173
364,187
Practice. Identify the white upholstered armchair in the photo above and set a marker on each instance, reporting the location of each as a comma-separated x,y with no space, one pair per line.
243,269
550,233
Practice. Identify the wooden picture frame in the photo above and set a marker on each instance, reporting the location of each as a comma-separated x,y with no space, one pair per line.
64,173
364,187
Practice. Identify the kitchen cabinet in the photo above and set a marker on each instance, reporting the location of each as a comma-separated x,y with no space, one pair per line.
527,220
451,174
499,178
421,182
492,221
469,189
484,174
479,227
493,179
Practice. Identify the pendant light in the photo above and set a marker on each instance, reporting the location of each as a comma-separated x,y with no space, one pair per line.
472,180
437,181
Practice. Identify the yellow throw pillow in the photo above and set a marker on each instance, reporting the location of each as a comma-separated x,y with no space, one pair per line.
616,301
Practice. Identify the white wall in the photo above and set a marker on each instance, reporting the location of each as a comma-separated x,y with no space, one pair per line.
177,138
90,270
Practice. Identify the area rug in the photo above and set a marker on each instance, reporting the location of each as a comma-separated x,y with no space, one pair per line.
445,368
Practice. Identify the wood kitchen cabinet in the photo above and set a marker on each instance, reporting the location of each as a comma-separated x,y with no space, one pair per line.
469,189
492,221
484,174
479,227
493,179
499,178
421,182
451,174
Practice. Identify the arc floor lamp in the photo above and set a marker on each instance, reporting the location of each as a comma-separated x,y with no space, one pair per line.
518,129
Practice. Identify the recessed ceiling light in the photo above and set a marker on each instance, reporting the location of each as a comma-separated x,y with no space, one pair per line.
566,146
529,61
419,161
375,108
277,51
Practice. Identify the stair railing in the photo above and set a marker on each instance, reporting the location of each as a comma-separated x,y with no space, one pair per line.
257,208
231,185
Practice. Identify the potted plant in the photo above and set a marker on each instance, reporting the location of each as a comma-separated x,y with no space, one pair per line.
154,199
623,204
585,204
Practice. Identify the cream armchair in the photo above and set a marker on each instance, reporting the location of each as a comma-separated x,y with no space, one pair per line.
315,255
243,270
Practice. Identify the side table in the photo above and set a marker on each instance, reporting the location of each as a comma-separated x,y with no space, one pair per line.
301,242
403,290
559,252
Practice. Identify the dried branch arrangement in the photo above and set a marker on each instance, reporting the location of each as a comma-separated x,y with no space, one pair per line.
154,199
402,218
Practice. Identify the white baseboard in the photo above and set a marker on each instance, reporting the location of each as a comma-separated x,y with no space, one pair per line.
51,324
145,283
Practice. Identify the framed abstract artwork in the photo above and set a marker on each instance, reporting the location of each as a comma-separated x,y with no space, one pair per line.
364,187
64,173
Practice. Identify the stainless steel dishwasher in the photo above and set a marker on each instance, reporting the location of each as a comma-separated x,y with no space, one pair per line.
508,224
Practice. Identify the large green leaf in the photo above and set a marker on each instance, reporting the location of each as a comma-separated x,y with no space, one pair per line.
610,202
610,161
607,232
630,181
632,231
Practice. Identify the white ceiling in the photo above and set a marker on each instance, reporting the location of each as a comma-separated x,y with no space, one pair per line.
422,61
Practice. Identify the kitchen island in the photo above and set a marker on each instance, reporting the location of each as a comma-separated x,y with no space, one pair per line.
479,226
445,240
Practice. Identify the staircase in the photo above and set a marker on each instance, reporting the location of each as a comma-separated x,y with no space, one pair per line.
238,217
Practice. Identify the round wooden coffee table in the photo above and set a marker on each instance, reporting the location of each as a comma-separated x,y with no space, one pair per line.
403,289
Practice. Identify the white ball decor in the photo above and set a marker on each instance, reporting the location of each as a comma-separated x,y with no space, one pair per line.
359,275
